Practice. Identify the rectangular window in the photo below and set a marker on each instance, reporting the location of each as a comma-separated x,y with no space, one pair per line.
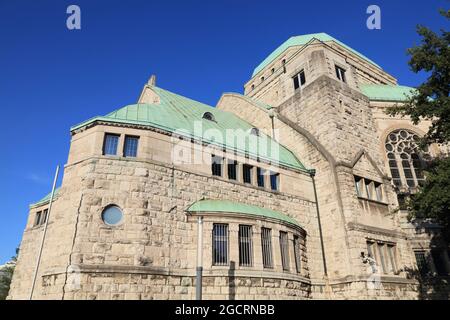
216,165
37,219
379,191
274,181
130,146
260,174
298,254
382,257
245,246
220,244
44,216
284,248
371,249
247,173
422,262
232,169
266,244
299,79
359,183
392,258
110,144
369,188
340,73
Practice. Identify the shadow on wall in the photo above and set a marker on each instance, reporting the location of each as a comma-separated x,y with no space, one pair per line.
432,274
232,281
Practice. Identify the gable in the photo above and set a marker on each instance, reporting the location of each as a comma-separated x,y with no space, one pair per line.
364,166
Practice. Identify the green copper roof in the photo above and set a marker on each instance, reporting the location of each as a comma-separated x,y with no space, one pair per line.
237,207
181,115
381,92
302,40
46,198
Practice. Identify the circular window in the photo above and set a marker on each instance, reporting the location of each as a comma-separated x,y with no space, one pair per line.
112,216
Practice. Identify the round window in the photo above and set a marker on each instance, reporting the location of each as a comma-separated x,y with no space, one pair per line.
112,216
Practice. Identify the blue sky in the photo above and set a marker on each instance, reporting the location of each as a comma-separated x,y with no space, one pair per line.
52,78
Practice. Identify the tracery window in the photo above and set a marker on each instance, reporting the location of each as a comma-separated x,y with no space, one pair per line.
406,160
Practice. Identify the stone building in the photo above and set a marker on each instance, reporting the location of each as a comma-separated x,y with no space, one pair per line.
293,181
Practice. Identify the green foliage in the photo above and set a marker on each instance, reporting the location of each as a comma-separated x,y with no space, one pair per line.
6,274
431,100
433,199
5,280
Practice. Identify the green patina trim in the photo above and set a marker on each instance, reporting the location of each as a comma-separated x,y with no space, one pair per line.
381,92
236,207
302,40
180,115
46,199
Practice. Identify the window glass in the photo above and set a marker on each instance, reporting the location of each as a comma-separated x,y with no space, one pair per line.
260,173
298,253
37,219
274,181
340,73
220,244
110,144
232,169
112,215
359,186
247,173
130,146
299,79
266,244
422,263
245,246
379,191
284,248
406,160
216,165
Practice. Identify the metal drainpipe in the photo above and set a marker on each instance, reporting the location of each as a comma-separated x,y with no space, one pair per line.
312,173
44,232
271,116
199,280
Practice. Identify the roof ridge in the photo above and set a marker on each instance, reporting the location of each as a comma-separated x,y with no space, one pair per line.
306,38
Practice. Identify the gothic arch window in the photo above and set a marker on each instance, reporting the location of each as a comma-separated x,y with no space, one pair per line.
406,160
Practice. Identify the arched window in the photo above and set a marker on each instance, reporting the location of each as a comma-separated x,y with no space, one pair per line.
254,131
406,160
208,116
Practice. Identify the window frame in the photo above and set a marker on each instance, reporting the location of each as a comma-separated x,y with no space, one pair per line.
297,253
266,248
217,168
232,164
299,79
250,169
37,218
105,140
260,177
284,250
340,73
224,246
125,145
245,244
276,176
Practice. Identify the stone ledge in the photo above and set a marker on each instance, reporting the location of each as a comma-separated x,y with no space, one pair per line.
183,272
365,228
